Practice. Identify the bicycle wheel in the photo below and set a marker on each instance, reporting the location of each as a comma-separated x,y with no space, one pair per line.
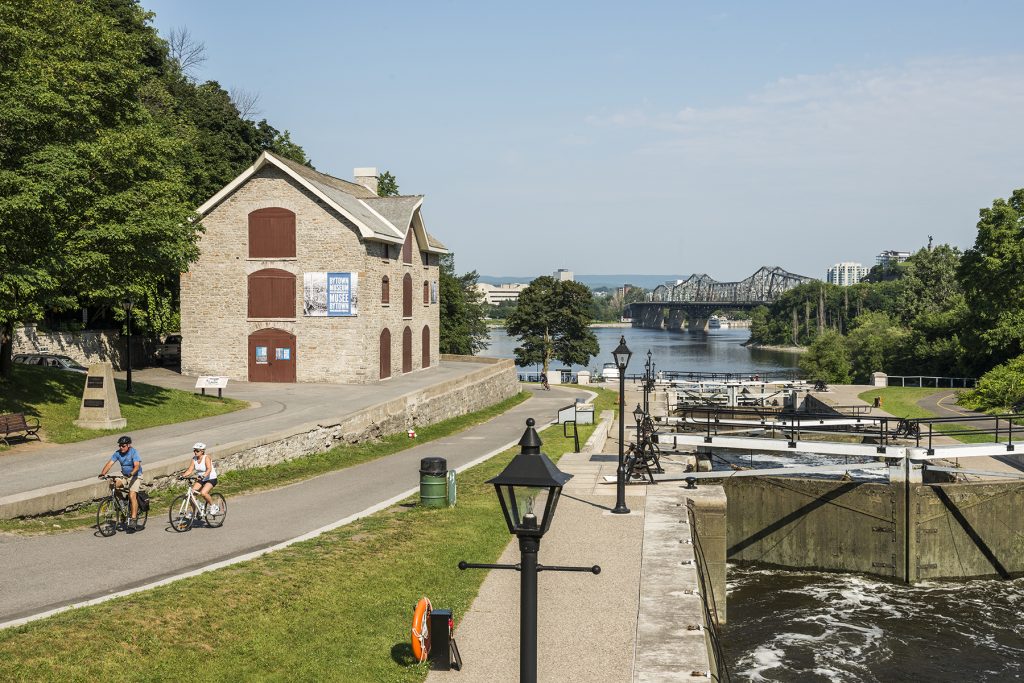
106,518
217,519
140,521
181,514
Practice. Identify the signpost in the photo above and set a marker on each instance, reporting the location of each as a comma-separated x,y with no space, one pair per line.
205,382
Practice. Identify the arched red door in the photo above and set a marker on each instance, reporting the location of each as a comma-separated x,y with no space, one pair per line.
407,350
426,346
272,356
385,353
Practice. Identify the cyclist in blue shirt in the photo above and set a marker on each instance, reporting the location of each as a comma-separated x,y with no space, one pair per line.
131,469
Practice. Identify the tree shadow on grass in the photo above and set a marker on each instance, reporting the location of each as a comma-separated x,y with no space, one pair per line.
401,654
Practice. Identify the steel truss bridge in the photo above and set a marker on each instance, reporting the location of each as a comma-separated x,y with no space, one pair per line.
700,295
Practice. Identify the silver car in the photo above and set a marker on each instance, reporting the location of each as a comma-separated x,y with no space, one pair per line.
48,360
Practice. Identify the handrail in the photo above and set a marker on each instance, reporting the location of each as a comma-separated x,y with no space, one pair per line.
705,592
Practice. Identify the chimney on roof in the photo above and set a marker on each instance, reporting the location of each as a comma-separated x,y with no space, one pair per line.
367,177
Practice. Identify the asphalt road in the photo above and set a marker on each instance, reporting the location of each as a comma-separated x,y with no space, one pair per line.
277,407
46,572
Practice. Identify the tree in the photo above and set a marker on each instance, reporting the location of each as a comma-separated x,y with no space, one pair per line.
463,330
1000,389
552,320
992,276
93,199
827,359
874,344
387,186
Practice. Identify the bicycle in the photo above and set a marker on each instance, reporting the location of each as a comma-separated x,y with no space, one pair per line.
187,508
117,509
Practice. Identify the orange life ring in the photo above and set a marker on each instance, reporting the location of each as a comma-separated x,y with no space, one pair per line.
421,630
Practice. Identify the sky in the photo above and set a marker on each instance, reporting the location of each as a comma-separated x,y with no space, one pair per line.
648,137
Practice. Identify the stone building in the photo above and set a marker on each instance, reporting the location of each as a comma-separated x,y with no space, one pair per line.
303,277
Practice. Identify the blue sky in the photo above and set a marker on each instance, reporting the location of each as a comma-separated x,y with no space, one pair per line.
671,137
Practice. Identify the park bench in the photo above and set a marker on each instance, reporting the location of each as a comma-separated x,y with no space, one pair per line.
15,424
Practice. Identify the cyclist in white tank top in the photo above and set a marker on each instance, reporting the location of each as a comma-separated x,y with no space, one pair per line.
202,465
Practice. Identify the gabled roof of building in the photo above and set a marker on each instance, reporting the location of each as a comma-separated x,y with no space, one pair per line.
385,219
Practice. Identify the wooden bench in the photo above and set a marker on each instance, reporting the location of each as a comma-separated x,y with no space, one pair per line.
13,424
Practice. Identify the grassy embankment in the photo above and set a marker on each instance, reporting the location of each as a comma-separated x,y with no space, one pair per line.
337,607
281,474
902,402
55,396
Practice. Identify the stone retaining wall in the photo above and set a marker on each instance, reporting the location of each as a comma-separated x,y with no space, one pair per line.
494,381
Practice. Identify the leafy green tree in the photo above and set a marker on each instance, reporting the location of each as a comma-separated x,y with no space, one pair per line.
93,199
827,359
387,185
552,321
999,390
992,276
463,330
874,345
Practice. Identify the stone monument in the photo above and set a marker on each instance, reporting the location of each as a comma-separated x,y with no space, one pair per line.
100,407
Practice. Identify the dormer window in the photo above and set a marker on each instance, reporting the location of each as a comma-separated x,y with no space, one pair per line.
407,248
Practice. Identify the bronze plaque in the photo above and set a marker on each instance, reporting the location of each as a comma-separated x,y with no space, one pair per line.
93,402
94,383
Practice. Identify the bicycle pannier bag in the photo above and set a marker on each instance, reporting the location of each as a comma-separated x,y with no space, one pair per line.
143,499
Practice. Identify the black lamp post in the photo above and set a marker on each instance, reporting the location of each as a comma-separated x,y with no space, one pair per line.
648,380
128,304
528,490
621,354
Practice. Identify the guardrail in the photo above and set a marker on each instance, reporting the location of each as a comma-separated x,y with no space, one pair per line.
936,382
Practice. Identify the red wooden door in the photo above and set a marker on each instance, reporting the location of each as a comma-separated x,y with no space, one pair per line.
385,354
272,356
426,346
407,350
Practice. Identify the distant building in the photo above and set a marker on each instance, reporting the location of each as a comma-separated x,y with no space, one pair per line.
889,258
563,274
846,273
496,294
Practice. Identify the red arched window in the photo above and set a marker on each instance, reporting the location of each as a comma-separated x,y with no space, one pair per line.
426,292
407,296
271,294
385,353
385,290
426,346
272,233
407,248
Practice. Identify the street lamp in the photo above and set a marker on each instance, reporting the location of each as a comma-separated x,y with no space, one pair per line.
128,304
528,490
648,380
621,354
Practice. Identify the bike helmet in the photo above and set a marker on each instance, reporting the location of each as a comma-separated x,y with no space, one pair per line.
124,440
199,446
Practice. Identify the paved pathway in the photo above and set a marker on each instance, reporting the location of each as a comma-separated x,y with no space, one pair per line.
46,572
276,407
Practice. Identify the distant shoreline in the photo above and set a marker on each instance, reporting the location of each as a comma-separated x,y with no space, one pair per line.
611,325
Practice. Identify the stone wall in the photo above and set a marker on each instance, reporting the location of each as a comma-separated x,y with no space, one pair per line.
214,292
87,347
494,381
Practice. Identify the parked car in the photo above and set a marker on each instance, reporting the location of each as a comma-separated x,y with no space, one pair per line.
170,350
49,360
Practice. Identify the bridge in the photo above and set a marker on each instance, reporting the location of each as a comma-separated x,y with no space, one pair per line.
697,297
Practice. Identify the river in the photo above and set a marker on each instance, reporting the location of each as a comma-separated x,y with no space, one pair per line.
711,351
798,626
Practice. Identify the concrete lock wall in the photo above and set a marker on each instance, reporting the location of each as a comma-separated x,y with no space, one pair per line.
957,530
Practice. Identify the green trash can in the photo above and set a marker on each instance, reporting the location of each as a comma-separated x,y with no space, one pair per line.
433,482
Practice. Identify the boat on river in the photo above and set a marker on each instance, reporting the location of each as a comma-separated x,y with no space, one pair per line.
718,322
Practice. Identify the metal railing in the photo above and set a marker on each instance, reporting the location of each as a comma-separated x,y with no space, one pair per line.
936,382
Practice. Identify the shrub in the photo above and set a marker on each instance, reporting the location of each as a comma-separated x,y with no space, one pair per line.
999,389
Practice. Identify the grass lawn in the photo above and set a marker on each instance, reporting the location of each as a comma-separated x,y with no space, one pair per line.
338,607
55,397
902,402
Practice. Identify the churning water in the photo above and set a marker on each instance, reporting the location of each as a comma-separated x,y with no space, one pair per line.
812,626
